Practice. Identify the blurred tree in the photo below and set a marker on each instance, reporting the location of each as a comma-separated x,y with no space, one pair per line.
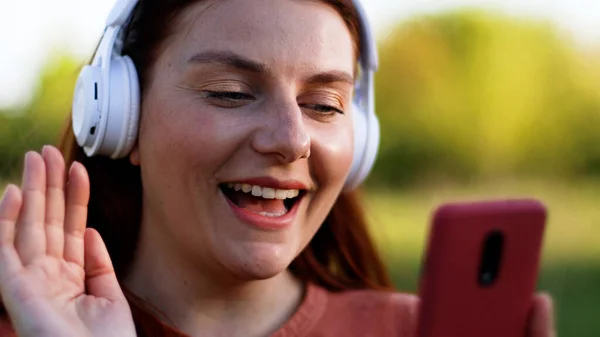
476,95
41,120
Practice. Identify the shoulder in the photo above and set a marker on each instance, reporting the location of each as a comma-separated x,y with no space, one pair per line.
370,313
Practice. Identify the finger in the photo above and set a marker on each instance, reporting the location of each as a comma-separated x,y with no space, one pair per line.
541,323
78,194
55,201
10,206
30,237
100,278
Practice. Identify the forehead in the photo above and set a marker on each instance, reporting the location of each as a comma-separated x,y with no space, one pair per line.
291,34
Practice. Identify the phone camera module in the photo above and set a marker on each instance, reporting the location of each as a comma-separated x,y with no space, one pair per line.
491,259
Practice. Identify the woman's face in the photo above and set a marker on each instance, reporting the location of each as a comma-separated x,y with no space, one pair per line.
246,132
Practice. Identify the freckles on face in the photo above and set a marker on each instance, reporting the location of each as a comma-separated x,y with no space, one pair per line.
237,102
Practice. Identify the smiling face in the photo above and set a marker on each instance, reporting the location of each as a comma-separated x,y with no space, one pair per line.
246,132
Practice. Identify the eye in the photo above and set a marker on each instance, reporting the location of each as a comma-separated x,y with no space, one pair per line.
228,95
228,99
323,109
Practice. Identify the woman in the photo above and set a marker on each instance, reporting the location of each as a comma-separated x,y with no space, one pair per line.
228,216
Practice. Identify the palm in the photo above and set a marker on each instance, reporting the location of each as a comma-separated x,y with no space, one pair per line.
47,279
56,278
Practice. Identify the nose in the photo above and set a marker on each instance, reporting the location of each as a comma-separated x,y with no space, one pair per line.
282,133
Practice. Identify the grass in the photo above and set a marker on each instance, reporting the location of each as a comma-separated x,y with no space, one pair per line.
571,256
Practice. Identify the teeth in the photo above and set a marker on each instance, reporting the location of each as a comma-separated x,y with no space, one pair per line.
281,194
265,192
272,215
256,191
268,193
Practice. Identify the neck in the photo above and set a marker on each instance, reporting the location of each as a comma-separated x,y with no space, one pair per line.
203,301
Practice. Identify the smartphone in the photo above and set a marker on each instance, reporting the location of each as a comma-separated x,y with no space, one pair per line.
480,268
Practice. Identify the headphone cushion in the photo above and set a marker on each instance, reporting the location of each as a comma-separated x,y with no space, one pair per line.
133,113
123,113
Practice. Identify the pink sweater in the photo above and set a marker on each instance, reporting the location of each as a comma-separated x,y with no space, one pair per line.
358,313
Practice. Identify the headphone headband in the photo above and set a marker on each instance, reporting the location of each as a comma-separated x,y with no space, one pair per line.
121,12
368,49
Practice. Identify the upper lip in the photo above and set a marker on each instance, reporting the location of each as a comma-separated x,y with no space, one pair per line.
273,183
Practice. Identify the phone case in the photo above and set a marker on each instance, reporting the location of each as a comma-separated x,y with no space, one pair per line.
462,293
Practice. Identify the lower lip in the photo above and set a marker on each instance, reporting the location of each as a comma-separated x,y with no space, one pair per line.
264,222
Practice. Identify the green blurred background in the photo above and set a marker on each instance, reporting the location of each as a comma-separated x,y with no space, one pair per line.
473,105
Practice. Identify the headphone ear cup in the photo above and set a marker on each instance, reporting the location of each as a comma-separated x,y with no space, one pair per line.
359,121
86,108
373,140
366,146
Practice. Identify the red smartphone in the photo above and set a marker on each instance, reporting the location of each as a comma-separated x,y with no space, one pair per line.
481,268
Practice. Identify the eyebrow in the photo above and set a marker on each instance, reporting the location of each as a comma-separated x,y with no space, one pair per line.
332,76
231,59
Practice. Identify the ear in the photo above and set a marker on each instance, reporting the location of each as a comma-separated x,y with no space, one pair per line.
134,156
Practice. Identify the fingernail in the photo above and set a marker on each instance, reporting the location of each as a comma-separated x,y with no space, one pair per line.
71,167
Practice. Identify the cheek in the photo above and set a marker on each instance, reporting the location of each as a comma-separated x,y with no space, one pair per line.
332,153
180,135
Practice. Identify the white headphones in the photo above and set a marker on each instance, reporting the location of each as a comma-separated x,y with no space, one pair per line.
106,104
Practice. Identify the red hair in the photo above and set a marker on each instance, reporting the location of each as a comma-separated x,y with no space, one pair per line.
340,256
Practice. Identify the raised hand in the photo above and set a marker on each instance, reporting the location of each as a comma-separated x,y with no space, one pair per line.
56,277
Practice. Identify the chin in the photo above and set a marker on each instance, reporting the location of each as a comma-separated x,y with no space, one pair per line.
259,261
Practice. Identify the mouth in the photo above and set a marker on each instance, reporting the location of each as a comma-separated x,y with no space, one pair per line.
264,201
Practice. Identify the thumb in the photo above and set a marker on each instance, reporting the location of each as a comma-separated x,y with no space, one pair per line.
541,323
100,278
